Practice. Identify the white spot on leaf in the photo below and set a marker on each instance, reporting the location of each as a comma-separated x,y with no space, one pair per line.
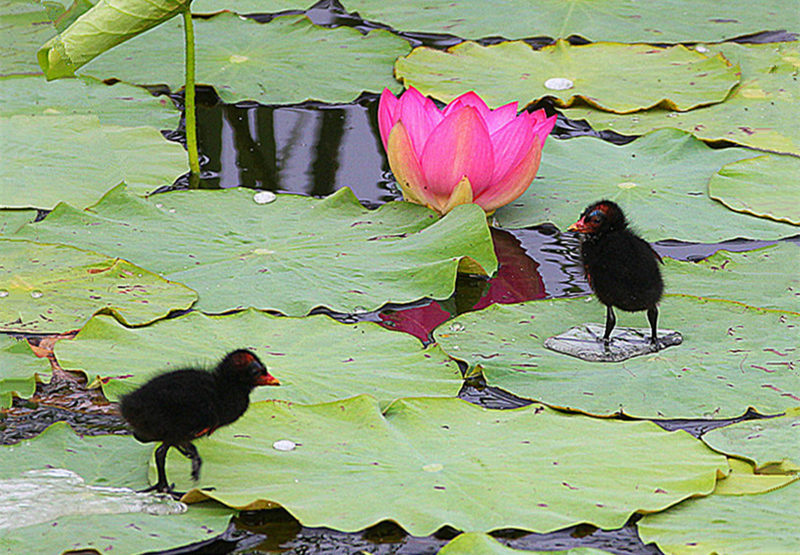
558,84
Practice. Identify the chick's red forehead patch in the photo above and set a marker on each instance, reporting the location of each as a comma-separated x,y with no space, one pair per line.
243,358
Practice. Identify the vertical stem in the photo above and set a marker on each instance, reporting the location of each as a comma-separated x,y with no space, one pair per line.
189,105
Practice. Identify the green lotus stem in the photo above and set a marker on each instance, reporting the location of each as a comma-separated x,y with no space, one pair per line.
189,107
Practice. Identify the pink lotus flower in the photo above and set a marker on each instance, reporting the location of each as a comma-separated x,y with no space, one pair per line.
463,153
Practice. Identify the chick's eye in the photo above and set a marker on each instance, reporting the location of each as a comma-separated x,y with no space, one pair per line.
596,215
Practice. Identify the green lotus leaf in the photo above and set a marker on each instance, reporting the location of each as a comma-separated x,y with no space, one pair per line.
766,278
12,220
56,288
610,20
475,542
19,369
119,104
63,13
107,24
659,180
732,357
353,466
70,493
615,77
291,255
249,6
284,61
772,442
753,115
76,159
767,186
316,358
24,25
744,481
763,524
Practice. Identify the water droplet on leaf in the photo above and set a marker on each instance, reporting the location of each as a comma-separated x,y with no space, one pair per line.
3,293
433,467
558,84
36,294
264,197
455,326
284,445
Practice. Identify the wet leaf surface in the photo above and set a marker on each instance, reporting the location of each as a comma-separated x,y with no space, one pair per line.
56,288
78,486
12,220
614,77
316,359
660,181
422,451
732,357
24,26
286,60
291,255
753,115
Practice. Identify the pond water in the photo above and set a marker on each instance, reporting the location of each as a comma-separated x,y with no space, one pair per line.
315,149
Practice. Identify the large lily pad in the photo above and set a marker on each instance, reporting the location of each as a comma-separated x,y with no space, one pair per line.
107,24
773,442
63,492
316,359
763,524
118,104
291,255
733,357
753,115
249,6
767,278
615,77
767,186
475,542
24,25
76,159
12,220
19,369
353,466
284,61
659,180
57,288
614,20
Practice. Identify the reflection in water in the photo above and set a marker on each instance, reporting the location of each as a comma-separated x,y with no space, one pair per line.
311,148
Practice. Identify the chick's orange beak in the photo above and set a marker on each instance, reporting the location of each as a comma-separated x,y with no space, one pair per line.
267,379
579,226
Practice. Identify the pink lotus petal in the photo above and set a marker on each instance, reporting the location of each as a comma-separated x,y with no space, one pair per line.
501,116
543,125
420,116
406,166
511,144
467,99
510,186
387,114
459,146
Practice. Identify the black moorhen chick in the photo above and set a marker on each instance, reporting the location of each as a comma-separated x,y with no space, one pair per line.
621,267
180,406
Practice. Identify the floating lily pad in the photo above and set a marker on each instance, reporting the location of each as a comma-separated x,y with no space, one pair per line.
65,492
763,524
615,20
744,481
767,186
12,220
733,357
772,442
767,278
660,180
284,61
76,159
24,26
474,542
753,115
354,467
249,6
586,342
615,77
19,369
316,359
118,104
56,288
292,255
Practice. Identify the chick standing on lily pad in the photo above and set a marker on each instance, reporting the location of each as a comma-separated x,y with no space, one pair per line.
621,267
464,153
